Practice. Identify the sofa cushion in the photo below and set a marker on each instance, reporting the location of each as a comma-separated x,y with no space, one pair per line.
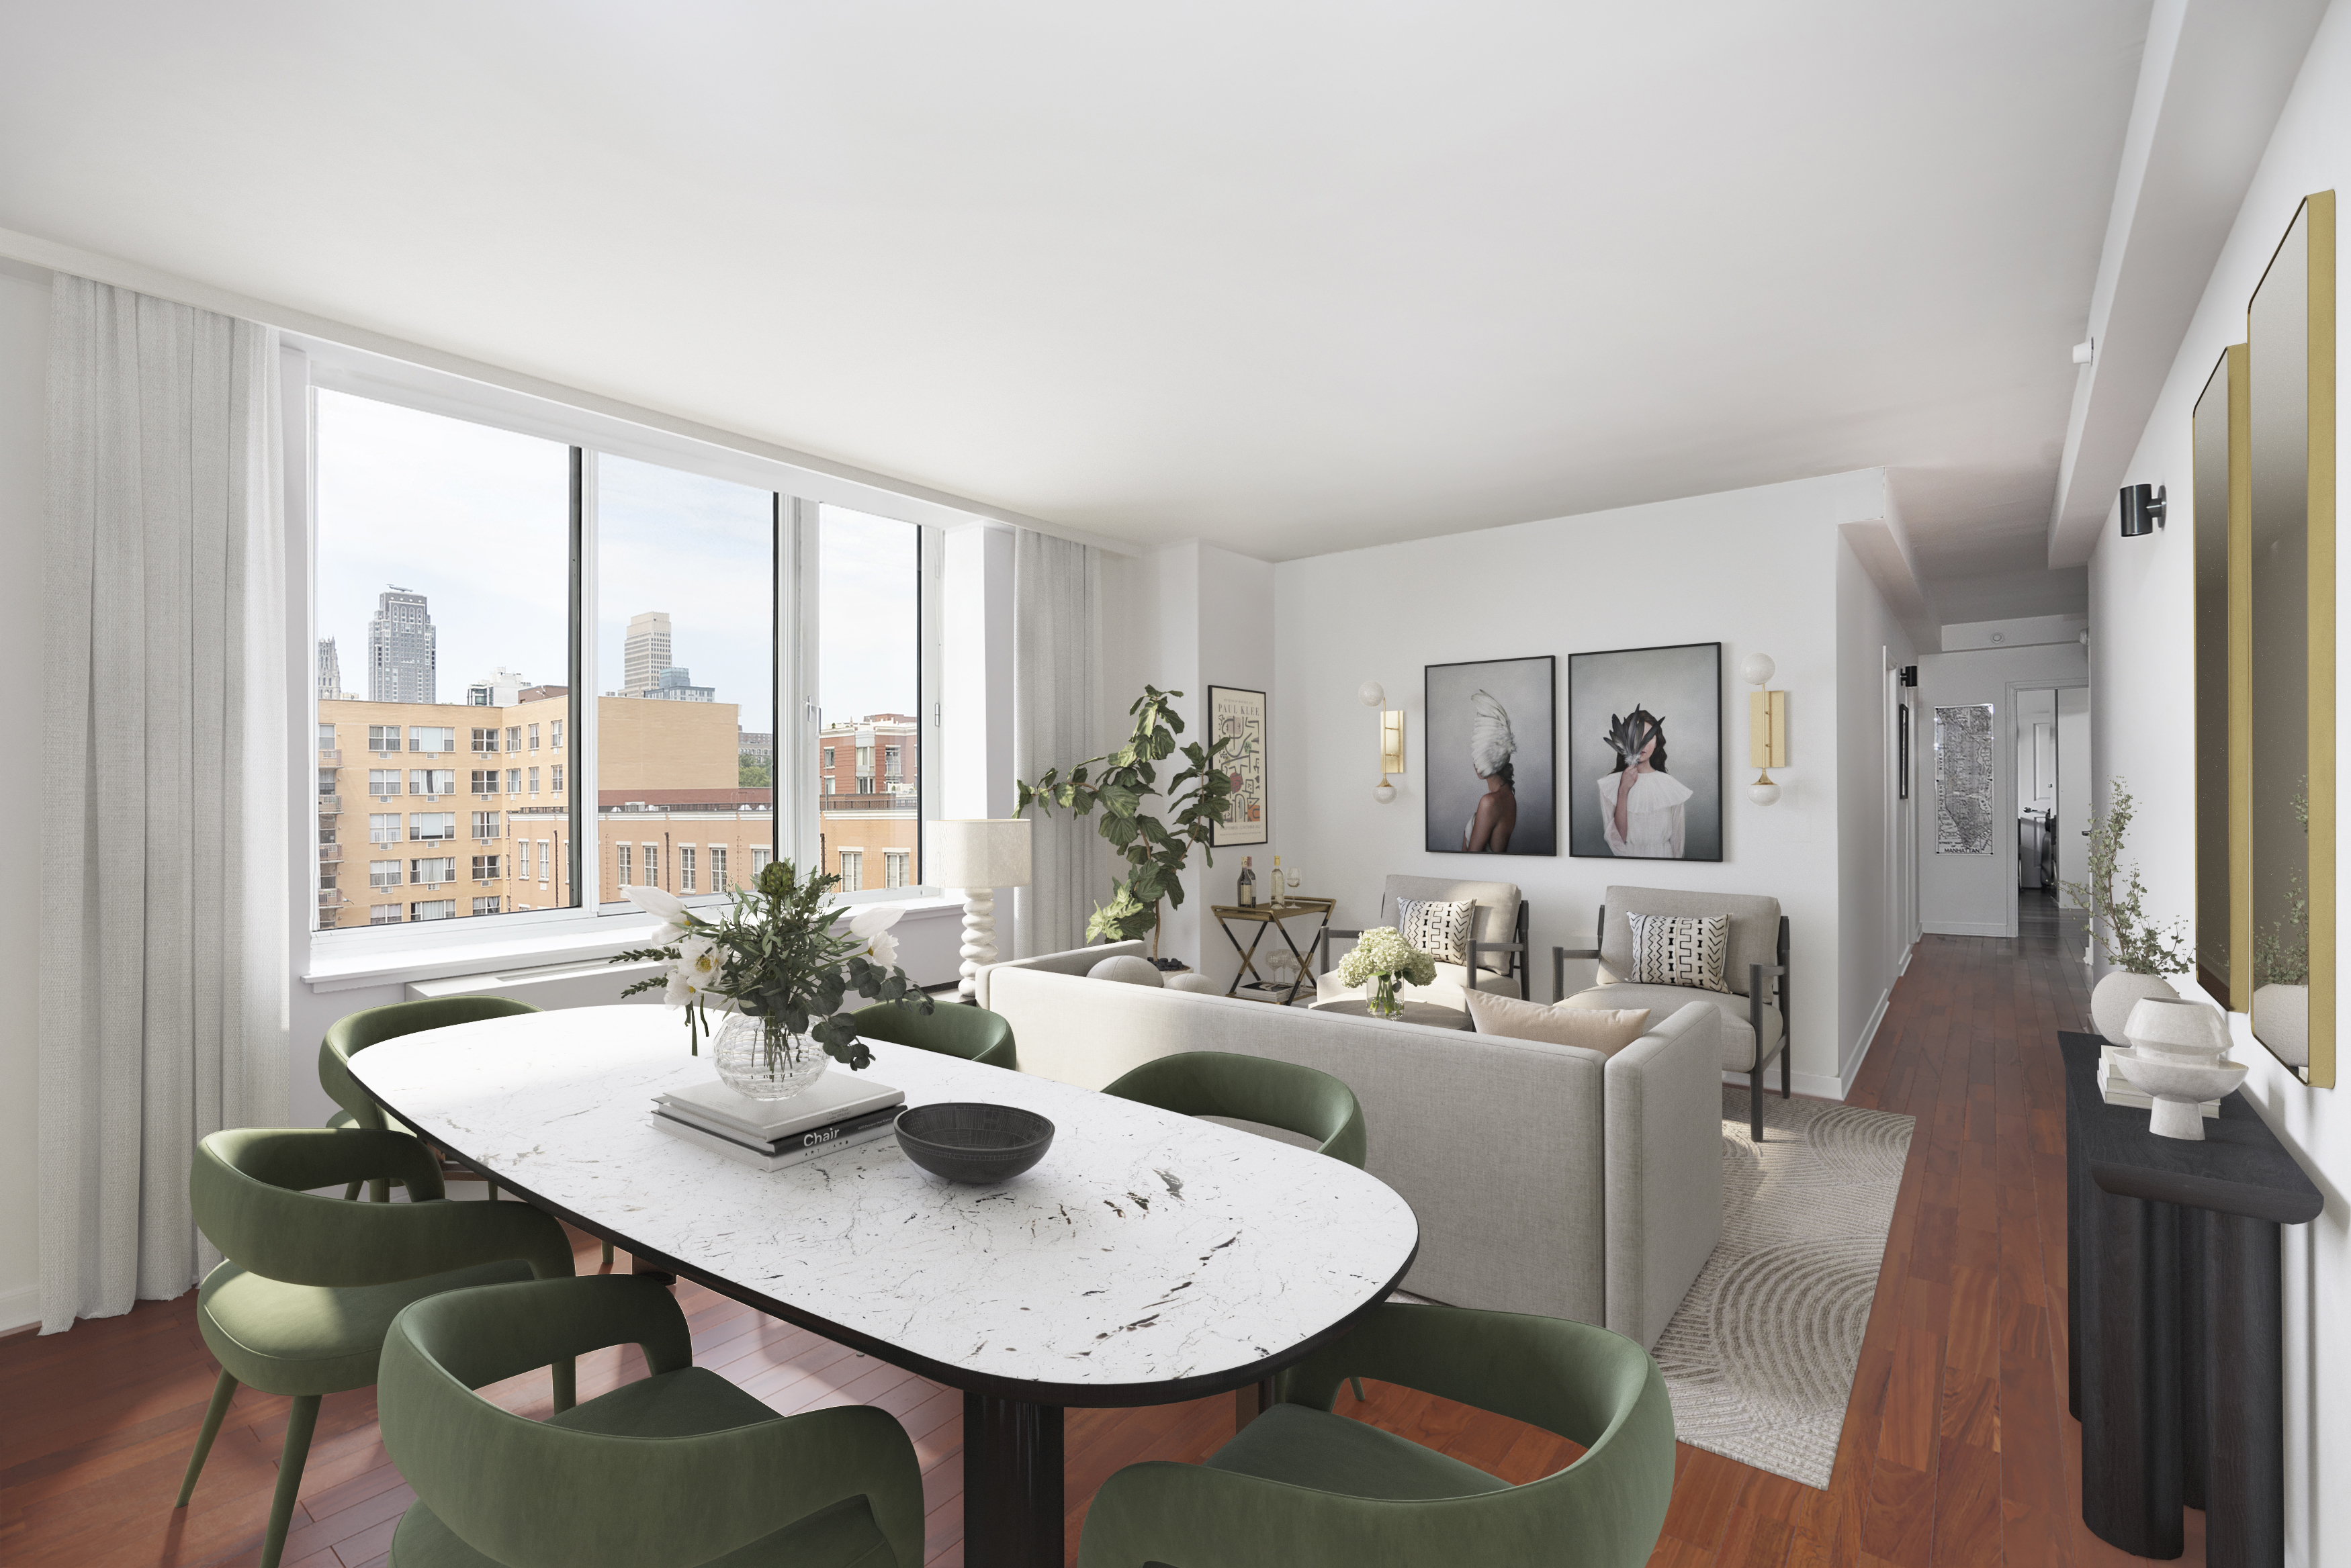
1439,927
1195,981
1664,1000
1679,949
1127,968
1498,902
1604,1030
1754,927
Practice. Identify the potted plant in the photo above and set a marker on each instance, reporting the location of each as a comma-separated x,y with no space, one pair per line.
2142,953
777,969
1120,783
1382,961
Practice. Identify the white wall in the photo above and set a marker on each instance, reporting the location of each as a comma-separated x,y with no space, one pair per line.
1975,895
1873,938
2141,659
24,443
1757,570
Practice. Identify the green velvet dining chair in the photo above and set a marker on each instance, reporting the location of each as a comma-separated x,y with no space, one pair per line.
1258,1089
351,1034
677,1468
308,1285
973,1033
1300,1487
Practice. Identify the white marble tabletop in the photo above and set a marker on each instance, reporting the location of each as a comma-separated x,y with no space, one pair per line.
1146,1248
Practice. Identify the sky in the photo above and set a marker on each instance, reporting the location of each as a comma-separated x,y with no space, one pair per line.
478,519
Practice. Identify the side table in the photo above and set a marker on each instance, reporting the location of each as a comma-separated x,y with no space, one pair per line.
1246,982
2172,1300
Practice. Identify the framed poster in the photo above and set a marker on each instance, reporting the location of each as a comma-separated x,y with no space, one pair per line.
1239,716
1488,759
1965,752
1644,753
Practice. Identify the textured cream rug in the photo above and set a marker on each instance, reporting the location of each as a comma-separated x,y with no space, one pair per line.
1760,1356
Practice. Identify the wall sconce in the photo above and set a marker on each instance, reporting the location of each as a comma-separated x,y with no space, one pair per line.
1391,738
2144,506
1767,728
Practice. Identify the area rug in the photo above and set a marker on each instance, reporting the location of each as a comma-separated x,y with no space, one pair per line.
1760,1357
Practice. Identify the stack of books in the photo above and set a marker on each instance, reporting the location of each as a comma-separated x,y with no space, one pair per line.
2120,1091
836,1111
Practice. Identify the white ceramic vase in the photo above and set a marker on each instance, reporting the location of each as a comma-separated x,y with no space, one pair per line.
2111,1003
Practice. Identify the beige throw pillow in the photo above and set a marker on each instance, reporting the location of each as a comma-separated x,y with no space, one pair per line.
1130,969
1604,1030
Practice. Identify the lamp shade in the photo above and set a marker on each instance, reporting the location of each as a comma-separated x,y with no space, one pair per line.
977,852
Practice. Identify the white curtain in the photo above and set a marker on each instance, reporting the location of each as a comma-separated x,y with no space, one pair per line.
1057,722
164,933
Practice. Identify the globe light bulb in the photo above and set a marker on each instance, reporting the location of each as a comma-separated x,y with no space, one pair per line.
1756,669
1371,694
1385,794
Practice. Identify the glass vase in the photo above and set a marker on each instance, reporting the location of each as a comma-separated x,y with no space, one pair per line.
760,1059
1380,994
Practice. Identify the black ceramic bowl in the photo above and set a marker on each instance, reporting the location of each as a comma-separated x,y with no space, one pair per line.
976,1143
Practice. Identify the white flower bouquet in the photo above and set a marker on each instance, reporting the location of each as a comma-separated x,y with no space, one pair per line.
1382,961
774,955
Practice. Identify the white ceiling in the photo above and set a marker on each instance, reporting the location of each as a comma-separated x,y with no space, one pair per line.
1289,278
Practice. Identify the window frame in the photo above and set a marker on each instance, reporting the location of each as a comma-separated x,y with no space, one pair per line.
797,492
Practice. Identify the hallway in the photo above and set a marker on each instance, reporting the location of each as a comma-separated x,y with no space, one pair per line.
1956,1448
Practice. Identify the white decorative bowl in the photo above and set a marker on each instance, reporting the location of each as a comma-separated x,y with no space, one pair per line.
2175,1029
2179,1090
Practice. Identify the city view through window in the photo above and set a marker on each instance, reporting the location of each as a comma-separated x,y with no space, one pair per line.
446,719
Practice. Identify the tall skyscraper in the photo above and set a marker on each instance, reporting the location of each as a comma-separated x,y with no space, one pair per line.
330,671
645,654
403,664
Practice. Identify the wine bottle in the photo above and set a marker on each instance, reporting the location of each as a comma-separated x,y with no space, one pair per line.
1247,897
1278,891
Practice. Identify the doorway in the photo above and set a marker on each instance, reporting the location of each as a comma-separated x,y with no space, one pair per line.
2050,745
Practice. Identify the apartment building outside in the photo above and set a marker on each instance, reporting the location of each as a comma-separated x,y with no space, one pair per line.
869,801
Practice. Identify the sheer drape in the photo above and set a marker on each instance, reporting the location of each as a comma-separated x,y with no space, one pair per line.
1055,722
163,870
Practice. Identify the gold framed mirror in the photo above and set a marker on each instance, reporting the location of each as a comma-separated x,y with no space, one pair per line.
2220,495
2286,760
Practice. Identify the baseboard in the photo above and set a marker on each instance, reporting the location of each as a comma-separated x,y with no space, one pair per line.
1965,928
1811,1085
1903,967
19,1308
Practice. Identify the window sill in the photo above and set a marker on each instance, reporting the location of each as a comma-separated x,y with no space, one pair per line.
540,942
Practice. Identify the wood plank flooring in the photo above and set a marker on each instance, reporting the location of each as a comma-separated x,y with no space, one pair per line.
1956,1450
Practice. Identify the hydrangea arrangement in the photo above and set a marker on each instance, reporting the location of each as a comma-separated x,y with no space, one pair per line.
1382,958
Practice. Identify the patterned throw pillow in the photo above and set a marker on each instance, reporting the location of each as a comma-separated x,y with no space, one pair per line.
1680,949
1443,931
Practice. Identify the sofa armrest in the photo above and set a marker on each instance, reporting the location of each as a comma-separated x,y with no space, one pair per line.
1519,968
1664,1181
1322,946
1075,962
1756,974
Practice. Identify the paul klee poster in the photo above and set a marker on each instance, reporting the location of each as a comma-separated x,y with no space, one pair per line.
1237,717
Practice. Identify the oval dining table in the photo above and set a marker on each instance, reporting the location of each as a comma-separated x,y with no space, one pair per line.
1149,1258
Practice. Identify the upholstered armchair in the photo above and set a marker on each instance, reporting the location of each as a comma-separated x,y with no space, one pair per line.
1495,959
1754,1010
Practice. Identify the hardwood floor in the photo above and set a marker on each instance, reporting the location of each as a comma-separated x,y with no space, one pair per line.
1956,1450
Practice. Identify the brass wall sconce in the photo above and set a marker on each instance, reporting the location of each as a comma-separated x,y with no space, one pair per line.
1391,738
1767,728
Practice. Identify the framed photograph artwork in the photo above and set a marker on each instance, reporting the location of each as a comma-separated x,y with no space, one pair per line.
1488,757
1644,753
1238,715
1902,750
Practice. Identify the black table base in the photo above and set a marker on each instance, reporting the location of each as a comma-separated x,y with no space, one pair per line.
2176,1369
1011,1483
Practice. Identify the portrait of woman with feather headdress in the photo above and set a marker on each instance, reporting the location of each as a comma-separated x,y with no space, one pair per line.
1644,749
1491,782
1641,802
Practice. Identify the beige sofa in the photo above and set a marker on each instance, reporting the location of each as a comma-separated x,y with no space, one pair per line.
1754,1010
1547,1178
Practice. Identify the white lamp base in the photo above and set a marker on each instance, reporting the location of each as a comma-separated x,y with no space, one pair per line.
978,939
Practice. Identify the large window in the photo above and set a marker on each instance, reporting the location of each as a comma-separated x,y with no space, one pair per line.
870,797
444,558
487,597
686,644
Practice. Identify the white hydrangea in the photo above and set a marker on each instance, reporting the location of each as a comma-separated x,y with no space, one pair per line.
1382,951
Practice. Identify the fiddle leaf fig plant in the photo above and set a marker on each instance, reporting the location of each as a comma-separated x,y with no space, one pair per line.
1198,796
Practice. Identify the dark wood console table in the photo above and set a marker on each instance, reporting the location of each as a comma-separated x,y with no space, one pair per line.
2174,1364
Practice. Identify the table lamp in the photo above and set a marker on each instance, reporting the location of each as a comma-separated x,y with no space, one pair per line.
978,856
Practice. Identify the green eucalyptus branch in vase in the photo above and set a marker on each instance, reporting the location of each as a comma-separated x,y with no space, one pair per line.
1198,797
2142,951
